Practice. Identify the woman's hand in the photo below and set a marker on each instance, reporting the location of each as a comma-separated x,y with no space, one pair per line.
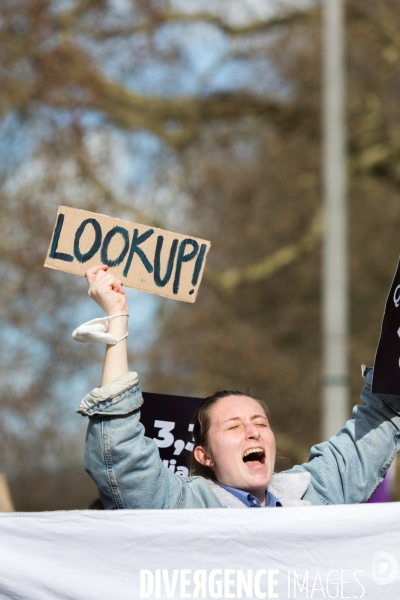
106,290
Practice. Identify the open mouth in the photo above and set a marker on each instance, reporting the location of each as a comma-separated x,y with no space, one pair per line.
254,457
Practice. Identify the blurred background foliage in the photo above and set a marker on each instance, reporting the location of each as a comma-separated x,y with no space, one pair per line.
202,118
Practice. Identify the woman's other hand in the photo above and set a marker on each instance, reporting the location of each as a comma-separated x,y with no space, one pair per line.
106,290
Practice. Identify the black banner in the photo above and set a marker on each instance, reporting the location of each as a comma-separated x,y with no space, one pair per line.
386,378
169,421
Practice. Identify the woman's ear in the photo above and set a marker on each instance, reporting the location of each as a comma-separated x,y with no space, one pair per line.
202,457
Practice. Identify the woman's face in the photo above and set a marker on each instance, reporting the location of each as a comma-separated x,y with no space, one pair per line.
241,444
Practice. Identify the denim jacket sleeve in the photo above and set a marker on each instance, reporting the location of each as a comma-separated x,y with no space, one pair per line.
349,467
124,464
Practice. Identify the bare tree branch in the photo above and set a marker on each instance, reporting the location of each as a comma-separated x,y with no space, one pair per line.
201,17
232,278
68,18
69,80
125,206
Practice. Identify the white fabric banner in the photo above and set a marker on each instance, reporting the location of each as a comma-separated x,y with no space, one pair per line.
308,552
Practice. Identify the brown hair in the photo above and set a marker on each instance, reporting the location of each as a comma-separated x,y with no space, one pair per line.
202,424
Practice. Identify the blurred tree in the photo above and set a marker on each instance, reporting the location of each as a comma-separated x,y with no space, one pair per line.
205,121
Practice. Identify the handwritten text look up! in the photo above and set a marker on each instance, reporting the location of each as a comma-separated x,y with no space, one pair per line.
146,258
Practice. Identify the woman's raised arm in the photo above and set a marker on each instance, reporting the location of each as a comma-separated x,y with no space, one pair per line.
108,293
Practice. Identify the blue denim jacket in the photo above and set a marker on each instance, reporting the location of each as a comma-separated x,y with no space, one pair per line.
128,471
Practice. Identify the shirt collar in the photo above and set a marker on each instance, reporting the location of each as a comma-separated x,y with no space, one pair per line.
251,501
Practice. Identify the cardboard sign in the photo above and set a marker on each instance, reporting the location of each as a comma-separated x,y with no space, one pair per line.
386,379
168,420
146,258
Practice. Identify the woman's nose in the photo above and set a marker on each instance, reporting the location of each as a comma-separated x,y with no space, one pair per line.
252,431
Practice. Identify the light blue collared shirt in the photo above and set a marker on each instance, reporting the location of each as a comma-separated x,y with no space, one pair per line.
250,500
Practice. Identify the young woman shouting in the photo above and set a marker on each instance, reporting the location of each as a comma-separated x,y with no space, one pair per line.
234,447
